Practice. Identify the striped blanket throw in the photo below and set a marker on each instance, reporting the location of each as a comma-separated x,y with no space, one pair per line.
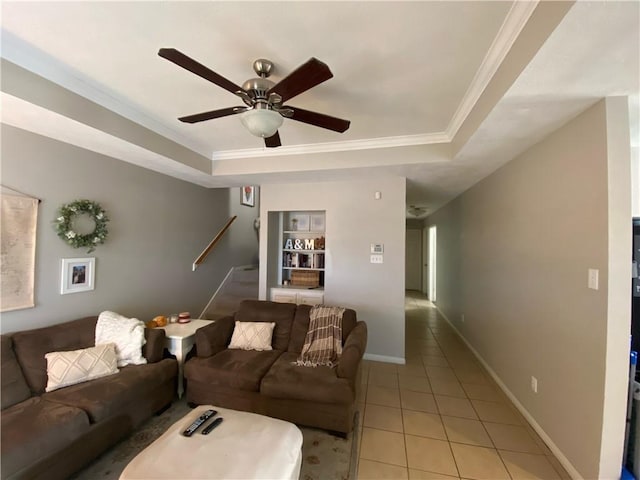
323,343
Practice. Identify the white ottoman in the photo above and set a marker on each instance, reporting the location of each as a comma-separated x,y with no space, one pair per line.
244,446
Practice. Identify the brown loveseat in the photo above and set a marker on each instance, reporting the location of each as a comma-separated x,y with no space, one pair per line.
267,382
51,435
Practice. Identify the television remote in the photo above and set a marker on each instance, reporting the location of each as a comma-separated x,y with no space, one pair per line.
212,425
199,421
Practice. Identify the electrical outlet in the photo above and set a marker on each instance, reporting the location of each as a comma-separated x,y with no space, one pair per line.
534,384
462,318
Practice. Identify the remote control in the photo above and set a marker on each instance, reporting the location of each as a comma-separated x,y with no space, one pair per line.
212,425
199,421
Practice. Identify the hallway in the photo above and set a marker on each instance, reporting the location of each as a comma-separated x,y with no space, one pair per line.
441,416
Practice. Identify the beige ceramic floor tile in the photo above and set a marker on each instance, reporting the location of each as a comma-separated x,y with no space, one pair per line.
435,361
455,407
453,388
417,384
422,402
387,397
430,455
525,466
444,373
464,430
422,475
512,437
479,463
380,379
423,424
382,446
370,470
483,392
382,367
464,360
472,376
433,351
495,412
415,370
383,418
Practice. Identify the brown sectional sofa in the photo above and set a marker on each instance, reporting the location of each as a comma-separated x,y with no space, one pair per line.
52,435
267,382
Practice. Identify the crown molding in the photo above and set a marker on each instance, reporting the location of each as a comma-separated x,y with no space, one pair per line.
513,24
346,146
26,56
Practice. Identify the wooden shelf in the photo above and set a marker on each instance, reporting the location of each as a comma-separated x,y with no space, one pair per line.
303,268
302,251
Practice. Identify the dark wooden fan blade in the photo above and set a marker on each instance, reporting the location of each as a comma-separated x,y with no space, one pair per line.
319,119
306,76
190,64
223,112
273,141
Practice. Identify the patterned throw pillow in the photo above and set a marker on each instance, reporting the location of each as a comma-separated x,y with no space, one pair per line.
252,336
77,366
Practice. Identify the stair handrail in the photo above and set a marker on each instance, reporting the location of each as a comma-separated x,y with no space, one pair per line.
224,283
212,244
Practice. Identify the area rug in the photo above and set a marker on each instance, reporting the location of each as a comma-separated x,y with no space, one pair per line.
324,456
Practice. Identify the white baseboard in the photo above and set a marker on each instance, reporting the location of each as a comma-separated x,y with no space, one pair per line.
571,470
384,358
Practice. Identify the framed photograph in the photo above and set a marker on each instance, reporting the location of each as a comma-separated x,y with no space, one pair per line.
300,223
247,196
78,275
317,222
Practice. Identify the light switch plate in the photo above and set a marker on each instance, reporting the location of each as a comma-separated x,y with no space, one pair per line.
593,278
376,259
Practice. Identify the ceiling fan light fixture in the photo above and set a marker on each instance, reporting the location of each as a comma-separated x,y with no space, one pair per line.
262,122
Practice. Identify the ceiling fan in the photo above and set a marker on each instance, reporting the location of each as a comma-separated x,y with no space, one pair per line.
416,211
264,112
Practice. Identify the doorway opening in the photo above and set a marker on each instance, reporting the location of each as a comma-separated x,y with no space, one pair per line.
433,234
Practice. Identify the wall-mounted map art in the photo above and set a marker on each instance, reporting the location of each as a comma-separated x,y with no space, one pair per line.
18,221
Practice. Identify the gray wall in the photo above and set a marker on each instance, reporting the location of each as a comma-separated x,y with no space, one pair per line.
354,220
241,240
513,254
158,226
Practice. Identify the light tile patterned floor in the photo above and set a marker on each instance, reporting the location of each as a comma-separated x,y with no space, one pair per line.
441,416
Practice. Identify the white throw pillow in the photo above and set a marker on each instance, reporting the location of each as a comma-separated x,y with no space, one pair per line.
126,333
252,336
77,366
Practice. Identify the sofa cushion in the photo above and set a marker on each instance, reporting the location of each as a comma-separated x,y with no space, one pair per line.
153,349
35,429
104,397
317,384
263,311
77,366
14,387
239,369
301,325
32,345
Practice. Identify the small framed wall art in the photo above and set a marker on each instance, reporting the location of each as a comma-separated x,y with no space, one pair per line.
247,196
78,275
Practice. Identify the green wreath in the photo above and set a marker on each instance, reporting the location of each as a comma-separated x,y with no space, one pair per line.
64,224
